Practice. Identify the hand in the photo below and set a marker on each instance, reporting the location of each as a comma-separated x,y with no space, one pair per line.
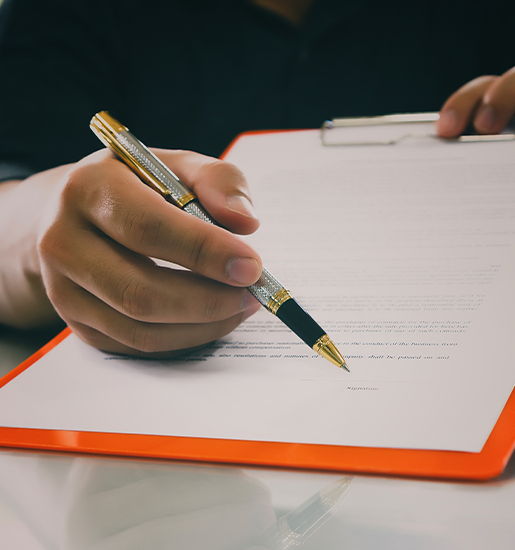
103,226
488,102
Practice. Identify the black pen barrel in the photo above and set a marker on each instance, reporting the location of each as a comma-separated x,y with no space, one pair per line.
300,322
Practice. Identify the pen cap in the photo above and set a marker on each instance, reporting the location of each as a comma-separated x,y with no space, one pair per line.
140,159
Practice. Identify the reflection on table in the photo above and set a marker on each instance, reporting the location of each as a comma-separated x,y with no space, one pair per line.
59,501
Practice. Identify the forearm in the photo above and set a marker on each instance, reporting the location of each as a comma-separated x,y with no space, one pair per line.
23,299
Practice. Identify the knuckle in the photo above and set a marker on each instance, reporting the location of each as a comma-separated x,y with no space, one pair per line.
221,170
74,188
136,297
52,245
54,236
198,250
59,299
142,227
46,243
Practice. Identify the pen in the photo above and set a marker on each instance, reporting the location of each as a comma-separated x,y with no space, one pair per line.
267,290
293,529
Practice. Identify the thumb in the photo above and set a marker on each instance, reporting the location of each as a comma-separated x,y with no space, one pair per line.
220,187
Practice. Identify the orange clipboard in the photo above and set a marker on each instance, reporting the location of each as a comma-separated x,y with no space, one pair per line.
488,463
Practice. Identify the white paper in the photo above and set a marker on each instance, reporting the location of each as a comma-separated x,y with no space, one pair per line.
404,254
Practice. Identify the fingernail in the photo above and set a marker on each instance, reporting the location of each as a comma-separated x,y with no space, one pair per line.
241,205
448,123
485,119
244,271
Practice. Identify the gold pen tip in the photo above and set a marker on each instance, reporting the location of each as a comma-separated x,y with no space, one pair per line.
326,348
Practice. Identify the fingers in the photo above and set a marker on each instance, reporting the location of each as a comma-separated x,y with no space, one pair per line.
221,187
138,288
498,105
105,328
488,102
459,109
139,219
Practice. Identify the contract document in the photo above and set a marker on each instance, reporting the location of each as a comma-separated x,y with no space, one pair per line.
404,254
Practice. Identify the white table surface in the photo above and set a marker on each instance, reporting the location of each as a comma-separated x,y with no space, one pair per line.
60,501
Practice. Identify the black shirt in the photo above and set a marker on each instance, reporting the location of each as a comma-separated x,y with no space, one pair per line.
192,74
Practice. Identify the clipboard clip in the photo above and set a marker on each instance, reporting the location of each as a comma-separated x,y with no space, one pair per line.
391,129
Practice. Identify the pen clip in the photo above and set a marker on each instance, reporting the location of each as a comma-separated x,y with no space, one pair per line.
108,129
